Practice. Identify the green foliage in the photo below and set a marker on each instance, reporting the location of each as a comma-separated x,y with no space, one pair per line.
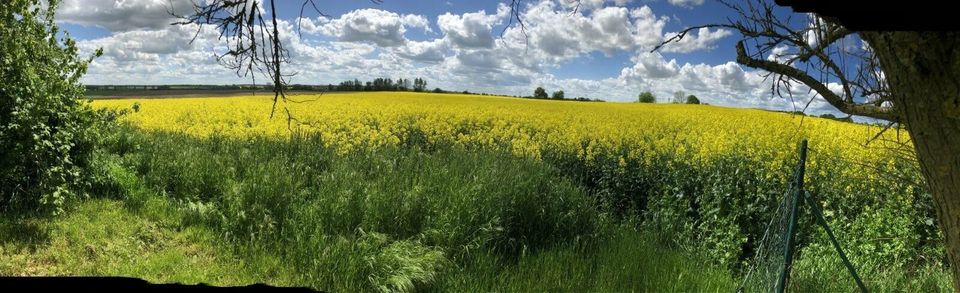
646,97
389,219
622,261
691,99
429,217
557,95
721,208
540,93
45,137
103,237
834,117
401,266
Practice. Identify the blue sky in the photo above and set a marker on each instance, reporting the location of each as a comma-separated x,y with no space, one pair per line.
601,51
593,66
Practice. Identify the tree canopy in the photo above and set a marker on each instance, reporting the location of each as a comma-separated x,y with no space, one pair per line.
540,93
646,97
557,95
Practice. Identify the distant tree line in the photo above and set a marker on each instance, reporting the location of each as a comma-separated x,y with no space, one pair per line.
679,97
848,118
540,93
382,84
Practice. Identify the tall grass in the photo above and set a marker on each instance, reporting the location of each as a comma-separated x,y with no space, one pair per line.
624,261
392,219
424,216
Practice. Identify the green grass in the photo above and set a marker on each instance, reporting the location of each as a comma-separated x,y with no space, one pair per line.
627,261
384,220
412,218
103,237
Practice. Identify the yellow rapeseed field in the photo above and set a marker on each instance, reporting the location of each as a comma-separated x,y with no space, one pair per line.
351,121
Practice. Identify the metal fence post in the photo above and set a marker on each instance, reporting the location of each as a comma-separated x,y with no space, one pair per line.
833,240
797,193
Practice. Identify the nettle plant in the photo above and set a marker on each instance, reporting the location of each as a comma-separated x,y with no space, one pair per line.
46,139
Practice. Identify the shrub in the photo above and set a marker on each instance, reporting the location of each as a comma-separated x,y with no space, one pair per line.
647,97
557,95
691,99
540,93
45,138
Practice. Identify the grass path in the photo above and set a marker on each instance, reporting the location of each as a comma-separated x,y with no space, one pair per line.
104,237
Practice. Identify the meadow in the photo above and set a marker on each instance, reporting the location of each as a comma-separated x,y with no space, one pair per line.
393,191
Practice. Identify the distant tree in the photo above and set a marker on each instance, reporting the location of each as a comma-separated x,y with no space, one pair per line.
419,84
557,95
647,97
437,90
691,99
540,93
834,117
678,97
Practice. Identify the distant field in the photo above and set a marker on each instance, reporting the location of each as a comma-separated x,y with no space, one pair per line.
358,119
179,93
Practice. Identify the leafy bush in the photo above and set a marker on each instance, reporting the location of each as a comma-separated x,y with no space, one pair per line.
540,93
557,95
721,207
45,137
646,97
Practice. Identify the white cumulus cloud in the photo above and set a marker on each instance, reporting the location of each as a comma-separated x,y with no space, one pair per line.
704,40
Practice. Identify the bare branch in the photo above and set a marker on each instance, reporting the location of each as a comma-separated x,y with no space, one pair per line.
515,15
831,97
679,36
300,19
813,65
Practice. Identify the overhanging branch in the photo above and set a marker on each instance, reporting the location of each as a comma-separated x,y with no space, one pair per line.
868,110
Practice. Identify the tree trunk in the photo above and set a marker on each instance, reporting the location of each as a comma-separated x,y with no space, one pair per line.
923,72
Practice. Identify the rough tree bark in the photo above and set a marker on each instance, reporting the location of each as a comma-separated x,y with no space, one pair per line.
923,71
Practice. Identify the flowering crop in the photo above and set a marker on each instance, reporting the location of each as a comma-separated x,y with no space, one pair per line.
709,175
352,121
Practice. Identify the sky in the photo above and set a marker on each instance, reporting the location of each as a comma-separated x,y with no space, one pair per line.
600,51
